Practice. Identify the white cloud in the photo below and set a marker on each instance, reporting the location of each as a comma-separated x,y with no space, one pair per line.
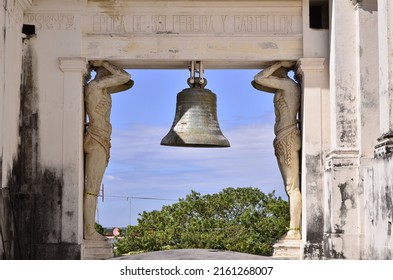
141,166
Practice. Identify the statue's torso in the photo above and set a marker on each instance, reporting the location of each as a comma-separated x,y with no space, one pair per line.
98,108
286,107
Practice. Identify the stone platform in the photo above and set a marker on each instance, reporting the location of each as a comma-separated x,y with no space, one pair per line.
96,250
288,249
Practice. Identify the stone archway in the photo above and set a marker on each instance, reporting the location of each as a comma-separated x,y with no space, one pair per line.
163,34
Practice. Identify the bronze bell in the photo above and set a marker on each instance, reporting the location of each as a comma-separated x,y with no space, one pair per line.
195,123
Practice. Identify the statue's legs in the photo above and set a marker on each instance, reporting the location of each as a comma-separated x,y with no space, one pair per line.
295,210
96,162
290,175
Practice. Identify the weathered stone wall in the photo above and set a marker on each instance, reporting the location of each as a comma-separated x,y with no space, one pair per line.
379,210
358,181
11,19
378,183
38,217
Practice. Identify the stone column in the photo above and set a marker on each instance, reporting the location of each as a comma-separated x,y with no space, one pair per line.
73,157
366,23
314,81
342,163
379,182
385,30
367,75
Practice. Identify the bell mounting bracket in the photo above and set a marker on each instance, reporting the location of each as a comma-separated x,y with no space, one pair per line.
194,81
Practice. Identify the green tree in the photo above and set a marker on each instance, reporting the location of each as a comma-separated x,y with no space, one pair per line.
237,219
99,228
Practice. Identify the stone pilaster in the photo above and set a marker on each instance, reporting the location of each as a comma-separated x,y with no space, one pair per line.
367,87
367,76
342,223
385,32
73,157
314,80
379,185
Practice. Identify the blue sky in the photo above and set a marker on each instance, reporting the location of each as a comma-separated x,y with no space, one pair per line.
140,167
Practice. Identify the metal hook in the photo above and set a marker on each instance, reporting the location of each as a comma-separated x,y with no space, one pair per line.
192,75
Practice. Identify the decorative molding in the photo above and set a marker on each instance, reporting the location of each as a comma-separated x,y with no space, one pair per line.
309,64
385,146
73,64
342,159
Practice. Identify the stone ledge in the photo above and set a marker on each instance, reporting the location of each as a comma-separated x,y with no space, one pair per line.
96,250
288,249
384,148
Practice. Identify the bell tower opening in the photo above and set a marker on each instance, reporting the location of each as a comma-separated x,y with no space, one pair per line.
143,175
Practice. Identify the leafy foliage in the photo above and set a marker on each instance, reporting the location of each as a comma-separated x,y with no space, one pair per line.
242,219
99,228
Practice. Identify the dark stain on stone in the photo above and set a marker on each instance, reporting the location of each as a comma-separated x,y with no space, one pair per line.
343,164
70,213
1,167
345,197
328,249
333,254
35,192
387,254
313,251
338,229
315,227
312,163
389,204
313,166
6,226
315,218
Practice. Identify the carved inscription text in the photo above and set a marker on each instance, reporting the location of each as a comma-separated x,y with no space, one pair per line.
57,21
196,24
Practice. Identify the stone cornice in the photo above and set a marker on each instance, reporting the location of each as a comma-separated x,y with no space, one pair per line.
73,64
342,158
311,64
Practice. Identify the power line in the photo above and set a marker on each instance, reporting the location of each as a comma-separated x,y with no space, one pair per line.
139,197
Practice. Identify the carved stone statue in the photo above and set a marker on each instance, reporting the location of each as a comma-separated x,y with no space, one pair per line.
287,143
109,79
